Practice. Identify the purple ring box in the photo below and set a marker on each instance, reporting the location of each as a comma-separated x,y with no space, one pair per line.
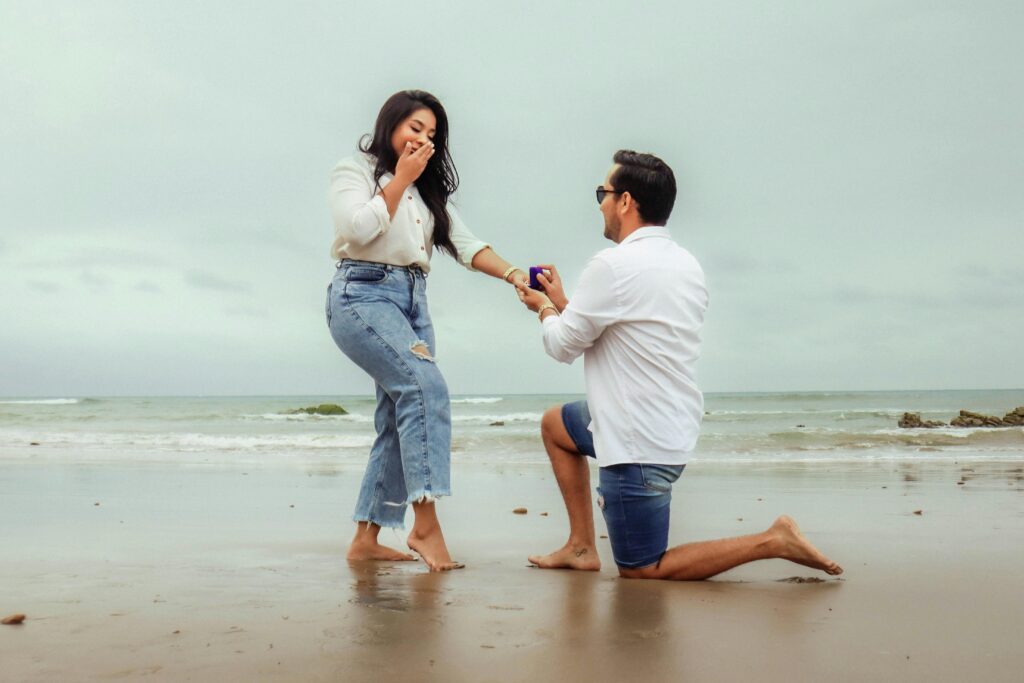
534,272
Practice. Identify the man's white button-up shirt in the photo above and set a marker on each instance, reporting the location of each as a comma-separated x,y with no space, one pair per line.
636,318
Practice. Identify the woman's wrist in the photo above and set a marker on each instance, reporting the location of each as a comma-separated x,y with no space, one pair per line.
509,271
397,186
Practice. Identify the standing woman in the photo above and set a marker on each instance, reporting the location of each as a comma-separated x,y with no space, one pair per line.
390,208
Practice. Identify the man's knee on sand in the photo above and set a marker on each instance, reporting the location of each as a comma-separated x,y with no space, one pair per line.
651,571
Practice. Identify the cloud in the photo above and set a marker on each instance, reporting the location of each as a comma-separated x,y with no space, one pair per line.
992,289
147,286
201,279
246,312
867,298
90,278
102,248
44,287
992,278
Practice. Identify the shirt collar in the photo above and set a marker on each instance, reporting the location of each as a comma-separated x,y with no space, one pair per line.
646,231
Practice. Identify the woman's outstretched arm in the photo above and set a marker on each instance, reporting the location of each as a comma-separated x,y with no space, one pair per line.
487,261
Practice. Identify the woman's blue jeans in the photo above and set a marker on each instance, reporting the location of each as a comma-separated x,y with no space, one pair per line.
378,317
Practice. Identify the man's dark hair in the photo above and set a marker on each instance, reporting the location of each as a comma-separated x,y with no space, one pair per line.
649,180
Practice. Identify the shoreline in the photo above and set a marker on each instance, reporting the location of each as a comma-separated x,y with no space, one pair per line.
356,458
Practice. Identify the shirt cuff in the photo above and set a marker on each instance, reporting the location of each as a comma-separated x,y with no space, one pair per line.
380,210
552,339
466,254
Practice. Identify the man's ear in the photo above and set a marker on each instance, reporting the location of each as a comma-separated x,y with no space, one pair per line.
627,202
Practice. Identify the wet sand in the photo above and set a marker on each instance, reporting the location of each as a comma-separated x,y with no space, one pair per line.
208,573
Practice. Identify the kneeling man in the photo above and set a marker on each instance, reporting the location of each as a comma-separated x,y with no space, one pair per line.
636,318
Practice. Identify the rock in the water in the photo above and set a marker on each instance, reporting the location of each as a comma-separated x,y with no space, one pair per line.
12,620
322,409
519,511
914,421
1015,417
499,423
966,418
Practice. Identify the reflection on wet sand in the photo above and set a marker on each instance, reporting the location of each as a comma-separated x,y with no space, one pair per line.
409,586
596,624
397,622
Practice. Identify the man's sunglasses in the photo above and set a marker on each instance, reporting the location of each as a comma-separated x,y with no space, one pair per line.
602,191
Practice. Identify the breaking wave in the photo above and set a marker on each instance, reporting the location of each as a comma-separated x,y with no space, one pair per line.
43,402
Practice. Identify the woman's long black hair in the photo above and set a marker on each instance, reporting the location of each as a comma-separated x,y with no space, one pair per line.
439,179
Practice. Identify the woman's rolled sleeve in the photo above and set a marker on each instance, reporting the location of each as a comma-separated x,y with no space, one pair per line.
467,245
360,215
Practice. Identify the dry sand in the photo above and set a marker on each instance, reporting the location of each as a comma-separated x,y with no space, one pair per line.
209,574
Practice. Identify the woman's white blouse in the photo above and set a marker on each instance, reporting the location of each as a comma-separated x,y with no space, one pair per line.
363,230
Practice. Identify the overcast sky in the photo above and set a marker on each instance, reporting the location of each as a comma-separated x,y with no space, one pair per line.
850,178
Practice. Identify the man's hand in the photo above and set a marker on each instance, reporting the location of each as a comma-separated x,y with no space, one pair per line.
531,298
551,281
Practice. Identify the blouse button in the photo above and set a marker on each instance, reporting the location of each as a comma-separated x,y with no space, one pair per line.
410,196
417,220
423,249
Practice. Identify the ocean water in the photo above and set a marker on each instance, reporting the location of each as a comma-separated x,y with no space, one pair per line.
738,428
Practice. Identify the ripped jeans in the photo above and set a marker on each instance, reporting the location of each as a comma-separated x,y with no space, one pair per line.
378,316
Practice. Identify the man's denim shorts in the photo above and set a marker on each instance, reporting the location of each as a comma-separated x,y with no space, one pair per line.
634,498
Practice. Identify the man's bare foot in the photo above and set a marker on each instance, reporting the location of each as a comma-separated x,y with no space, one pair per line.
371,550
569,556
796,548
431,547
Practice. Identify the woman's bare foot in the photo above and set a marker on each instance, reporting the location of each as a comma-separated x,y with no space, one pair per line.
371,550
429,544
795,547
366,547
569,556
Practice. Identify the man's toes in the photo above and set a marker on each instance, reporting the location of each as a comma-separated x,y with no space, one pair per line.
552,561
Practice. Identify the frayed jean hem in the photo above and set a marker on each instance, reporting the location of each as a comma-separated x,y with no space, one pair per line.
423,496
382,523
